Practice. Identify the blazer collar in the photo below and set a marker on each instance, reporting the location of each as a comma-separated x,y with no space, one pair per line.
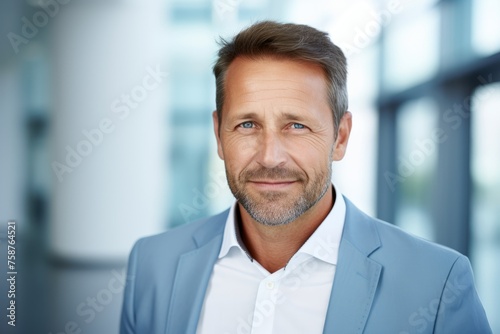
360,230
192,276
212,227
357,275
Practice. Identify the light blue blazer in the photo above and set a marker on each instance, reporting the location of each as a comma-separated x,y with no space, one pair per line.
386,282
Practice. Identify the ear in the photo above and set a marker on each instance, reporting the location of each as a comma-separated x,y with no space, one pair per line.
215,119
344,132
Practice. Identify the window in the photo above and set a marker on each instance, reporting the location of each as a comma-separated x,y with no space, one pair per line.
416,165
411,50
485,224
485,26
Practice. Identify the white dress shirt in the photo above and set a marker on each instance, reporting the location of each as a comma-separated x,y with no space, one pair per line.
244,298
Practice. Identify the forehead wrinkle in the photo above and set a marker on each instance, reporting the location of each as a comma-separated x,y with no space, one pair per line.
313,81
275,93
280,84
283,111
276,80
256,88
288,111
274,98
295,92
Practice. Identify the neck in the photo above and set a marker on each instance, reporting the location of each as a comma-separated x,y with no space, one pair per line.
274,246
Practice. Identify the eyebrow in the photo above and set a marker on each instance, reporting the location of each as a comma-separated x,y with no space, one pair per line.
246,115
292,117
283,114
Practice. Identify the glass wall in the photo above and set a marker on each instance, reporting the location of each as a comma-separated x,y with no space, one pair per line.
411,48
417,150
485,27
438,174
485,218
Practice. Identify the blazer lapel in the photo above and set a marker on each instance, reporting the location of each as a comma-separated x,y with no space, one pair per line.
191,279
356,277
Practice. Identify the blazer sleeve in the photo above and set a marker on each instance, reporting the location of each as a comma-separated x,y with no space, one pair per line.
127,321
460,310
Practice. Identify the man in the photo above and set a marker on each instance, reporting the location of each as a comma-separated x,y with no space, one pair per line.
292,255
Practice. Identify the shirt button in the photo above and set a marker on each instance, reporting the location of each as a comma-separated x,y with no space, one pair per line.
270,285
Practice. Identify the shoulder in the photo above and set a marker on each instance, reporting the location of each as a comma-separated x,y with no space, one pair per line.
153,268
421,283
394,245
153,259
395,239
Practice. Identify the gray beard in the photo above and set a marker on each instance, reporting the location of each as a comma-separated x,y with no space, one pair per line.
273,209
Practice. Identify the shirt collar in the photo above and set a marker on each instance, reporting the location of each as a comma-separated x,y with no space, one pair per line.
323,244
232,236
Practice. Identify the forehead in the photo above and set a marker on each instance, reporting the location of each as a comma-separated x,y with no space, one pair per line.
271,67
270,79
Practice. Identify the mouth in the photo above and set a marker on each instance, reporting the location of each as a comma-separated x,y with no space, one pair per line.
272,184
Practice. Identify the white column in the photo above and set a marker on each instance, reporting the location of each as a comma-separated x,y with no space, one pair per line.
108,127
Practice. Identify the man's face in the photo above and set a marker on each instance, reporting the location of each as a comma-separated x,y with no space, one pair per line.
277,137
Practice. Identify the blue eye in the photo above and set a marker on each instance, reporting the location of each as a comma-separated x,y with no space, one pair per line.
298,126
247,125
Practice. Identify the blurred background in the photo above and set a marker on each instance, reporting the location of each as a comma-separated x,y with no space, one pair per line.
106,134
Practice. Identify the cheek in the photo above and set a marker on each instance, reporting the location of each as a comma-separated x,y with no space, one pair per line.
312,156
238,151
312,150
239,145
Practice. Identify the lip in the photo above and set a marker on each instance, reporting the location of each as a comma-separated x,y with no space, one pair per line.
272,184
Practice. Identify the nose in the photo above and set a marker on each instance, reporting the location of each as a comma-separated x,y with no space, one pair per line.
272,152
